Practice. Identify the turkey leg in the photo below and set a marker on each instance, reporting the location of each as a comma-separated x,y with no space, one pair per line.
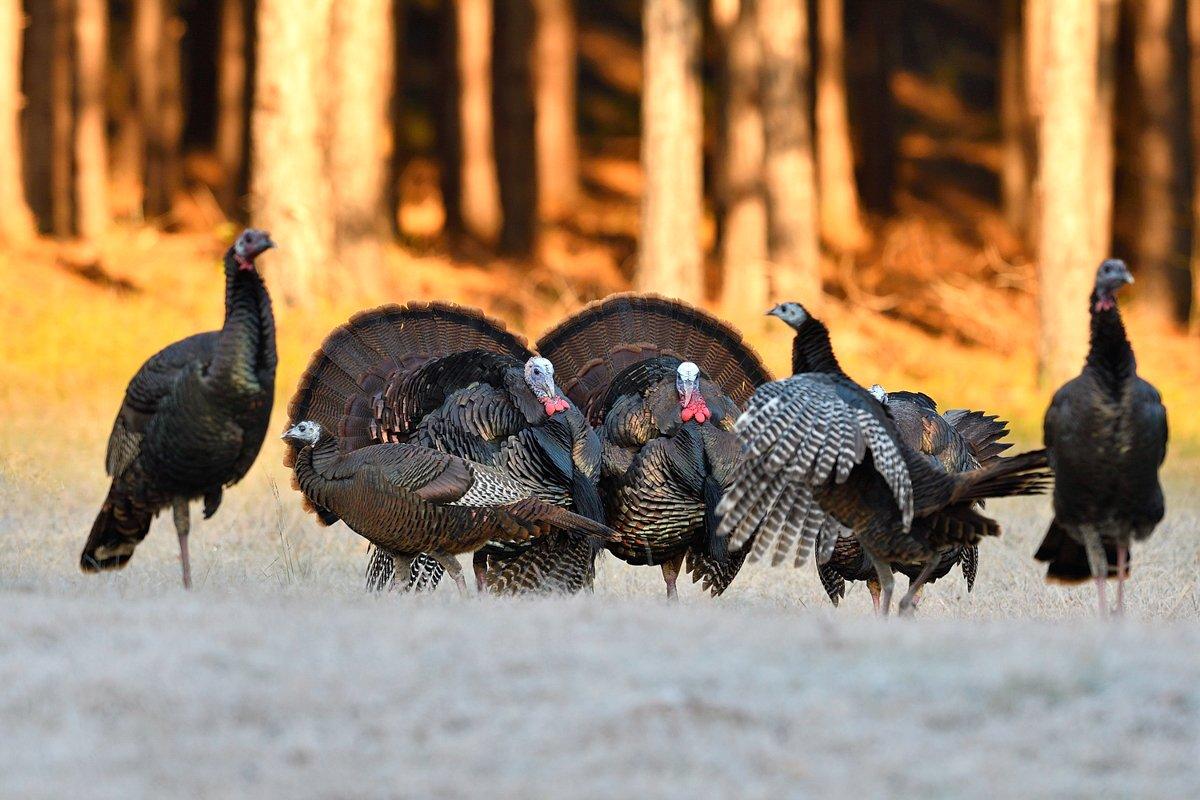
670,571
908,603
183,524
453,569
887,582
479,565
873,588
1122,562
1098,563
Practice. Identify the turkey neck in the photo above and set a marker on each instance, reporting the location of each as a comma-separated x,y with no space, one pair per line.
812,350
1110,355
310,461
245,355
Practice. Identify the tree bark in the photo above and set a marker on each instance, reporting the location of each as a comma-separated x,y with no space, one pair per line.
289,192
746,288
1157,155
1103,146
449,122
878,52
360,142
61,77
841,216
1068,255
480,193
669,252
555,89
156,54
231,106
16,222
789,170
91,151
1034,64
1193,26
514,129
1016,181
38,81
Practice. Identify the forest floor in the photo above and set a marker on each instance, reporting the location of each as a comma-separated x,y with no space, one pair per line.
279,676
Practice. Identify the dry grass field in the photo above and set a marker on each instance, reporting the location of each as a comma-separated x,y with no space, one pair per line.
279,677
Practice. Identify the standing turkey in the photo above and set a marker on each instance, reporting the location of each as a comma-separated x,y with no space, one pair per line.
450,379
819,446
1106,433
409,500
664,383
957,441
193,420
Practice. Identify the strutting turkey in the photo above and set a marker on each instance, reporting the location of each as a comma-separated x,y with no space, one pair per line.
957,441
819,446
193,419
451,379
407,499
663,382
1106,433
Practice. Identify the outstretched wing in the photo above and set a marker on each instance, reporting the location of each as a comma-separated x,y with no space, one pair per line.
800,433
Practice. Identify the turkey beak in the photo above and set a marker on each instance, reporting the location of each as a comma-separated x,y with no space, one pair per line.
774,312
290,434
688,388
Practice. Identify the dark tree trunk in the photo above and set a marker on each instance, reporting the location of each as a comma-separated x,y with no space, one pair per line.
449,122
62,155
39,62
514,123
231,106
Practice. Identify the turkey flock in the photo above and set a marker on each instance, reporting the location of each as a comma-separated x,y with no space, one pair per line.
639,426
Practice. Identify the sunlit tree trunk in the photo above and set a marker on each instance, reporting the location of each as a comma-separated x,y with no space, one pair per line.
231,105
789,170
669,251
841,217
16,223
289,191
555,90
1155,242
480,194
1033,79
1068,254
91,150
360,141
1015,178
514,129
746,286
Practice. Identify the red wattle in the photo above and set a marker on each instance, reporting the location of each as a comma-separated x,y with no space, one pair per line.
554,404
697,410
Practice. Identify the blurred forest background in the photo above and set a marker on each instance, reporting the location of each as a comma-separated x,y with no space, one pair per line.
939,177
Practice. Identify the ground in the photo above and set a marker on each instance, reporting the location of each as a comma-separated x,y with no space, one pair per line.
278,676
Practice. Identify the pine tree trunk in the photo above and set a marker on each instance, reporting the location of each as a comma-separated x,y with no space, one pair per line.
669,253
16,223
1068,257
480,193
789,170
1015,174
1103,146
156,37
1155,242
360,142
514,129
231,106
841,217
878,53
62,154
1034,65
746,288
289,191
449,122
1193,25
37,121
91,150
399,156
554,93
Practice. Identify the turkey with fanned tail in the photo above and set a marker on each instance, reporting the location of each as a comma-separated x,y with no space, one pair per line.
663,382
193,419
450,379
956,441
818,447
1106,433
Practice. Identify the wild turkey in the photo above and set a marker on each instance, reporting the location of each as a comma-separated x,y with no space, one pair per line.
957,441
1106,433
664,383
193,419
450,379
819,446
407,500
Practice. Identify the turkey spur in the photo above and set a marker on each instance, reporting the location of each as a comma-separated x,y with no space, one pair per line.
819,447
193,419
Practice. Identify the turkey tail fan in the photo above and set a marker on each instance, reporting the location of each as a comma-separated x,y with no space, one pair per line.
1067,558
119,528
340,386
592,346
1022,474
984,433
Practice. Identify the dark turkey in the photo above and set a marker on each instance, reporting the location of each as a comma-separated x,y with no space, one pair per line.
957,441
818,447
664,382
1106,433
450,379
408,500
193,420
